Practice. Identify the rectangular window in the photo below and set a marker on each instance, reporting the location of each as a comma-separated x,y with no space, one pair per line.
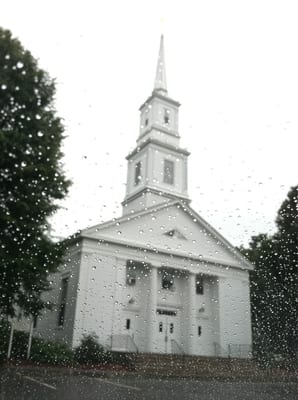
138,172
166,117
168,172
167,281
160,327
63,298
128,324
131,273
131,278
199,330
171,327
199,284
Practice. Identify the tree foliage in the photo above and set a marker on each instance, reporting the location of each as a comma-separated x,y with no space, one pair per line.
274,284
31,178
90,351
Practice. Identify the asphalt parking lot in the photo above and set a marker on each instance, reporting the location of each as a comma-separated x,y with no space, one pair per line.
30,386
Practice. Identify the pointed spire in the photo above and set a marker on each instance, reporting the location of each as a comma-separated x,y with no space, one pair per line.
160,84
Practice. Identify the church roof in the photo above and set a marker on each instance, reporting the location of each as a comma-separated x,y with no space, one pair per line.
171,228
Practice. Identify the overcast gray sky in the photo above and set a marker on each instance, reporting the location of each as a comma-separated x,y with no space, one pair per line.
232,64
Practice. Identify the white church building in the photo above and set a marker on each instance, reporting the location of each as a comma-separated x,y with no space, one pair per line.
158,279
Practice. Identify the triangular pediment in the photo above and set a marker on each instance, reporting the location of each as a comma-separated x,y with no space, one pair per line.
156,229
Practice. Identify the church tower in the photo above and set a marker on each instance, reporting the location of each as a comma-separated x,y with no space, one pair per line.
157,167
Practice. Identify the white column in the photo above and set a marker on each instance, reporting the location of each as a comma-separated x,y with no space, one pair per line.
191,337
152,303
225,312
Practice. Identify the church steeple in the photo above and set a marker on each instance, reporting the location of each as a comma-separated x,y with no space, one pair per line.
157,167
160,84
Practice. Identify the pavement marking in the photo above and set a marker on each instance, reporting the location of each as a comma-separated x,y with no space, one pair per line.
37,381
118,384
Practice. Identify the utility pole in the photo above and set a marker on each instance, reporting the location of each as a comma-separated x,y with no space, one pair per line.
30,338
10,340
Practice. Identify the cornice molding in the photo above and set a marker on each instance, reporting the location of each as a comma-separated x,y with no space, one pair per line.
162,129
161,193
156,142
160,97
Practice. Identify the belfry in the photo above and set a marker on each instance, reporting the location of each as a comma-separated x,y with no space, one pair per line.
157,168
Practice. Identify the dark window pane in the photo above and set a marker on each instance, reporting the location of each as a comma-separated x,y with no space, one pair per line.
138,173
62,306
167,280
199,284
166,116
168,176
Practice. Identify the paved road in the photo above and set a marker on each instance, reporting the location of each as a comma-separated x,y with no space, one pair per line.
17,386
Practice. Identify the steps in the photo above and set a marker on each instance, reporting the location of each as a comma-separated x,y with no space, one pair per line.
204,368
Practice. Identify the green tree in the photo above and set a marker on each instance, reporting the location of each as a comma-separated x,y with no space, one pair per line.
274,284
287,273
31,179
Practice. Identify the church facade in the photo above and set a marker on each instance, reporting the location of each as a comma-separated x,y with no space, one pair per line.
158,279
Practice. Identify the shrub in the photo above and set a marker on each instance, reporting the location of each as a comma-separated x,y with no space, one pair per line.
42,351
55,353
19,345
91,352
4,338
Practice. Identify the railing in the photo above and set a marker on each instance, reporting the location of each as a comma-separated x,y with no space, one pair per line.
233,351
123,343
219,351
240,350
176,348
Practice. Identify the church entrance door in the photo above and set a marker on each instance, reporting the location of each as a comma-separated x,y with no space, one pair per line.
168,330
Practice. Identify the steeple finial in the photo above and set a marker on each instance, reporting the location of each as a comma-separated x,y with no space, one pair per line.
160,84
